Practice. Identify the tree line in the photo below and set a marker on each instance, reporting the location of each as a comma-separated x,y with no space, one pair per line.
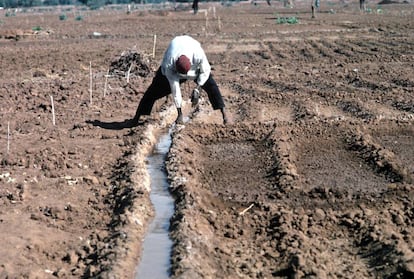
33,3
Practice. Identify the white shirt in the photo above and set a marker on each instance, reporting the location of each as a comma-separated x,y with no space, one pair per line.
200,67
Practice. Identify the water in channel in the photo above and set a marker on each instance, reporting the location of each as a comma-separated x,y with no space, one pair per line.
156,254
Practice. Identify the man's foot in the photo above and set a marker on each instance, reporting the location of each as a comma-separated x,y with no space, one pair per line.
179,120
226,118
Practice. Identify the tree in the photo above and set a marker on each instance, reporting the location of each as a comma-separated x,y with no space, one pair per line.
93,4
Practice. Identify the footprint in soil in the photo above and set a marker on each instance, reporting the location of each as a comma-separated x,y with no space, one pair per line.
115,125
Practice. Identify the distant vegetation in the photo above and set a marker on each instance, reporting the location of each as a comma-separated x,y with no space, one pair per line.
93,4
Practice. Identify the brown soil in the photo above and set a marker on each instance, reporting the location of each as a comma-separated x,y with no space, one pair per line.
313,179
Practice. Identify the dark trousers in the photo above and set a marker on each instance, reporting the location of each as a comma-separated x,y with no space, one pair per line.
362,5
195,6
160,87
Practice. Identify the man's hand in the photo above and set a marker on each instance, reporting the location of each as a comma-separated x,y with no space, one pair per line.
195,96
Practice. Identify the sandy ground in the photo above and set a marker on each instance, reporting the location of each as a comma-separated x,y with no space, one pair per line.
313,179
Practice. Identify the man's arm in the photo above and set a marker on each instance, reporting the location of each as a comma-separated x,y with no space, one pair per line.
204,68
175,90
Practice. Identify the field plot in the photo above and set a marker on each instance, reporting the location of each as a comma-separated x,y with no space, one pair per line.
262,201
312,179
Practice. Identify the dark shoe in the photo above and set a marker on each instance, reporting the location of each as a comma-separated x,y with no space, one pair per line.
226,118
226,121
179,120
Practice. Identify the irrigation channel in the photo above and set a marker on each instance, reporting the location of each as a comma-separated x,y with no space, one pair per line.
156,253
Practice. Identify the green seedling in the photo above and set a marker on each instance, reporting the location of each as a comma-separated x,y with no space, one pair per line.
288,20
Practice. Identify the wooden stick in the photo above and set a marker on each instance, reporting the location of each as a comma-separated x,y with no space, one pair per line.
129,72
206,15
8,137
219,23
246,209
106,83
90,82
53,111
153,48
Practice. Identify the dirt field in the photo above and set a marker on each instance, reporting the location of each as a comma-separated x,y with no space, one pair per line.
313,179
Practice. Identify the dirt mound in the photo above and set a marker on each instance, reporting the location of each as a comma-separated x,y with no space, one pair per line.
15,34
131,62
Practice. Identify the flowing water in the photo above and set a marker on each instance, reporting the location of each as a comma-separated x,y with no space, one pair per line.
156,254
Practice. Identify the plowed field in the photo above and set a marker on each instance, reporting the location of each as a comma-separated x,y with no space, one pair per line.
314,177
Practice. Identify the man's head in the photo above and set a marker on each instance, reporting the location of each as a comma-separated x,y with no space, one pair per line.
183,64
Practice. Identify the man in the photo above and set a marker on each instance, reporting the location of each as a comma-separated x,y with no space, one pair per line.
183,60
195,6
362,5
315,6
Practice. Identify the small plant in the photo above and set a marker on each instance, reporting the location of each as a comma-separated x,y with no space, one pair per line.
63,17
9,14
37,28
288,20
79,18
292,20
379,10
